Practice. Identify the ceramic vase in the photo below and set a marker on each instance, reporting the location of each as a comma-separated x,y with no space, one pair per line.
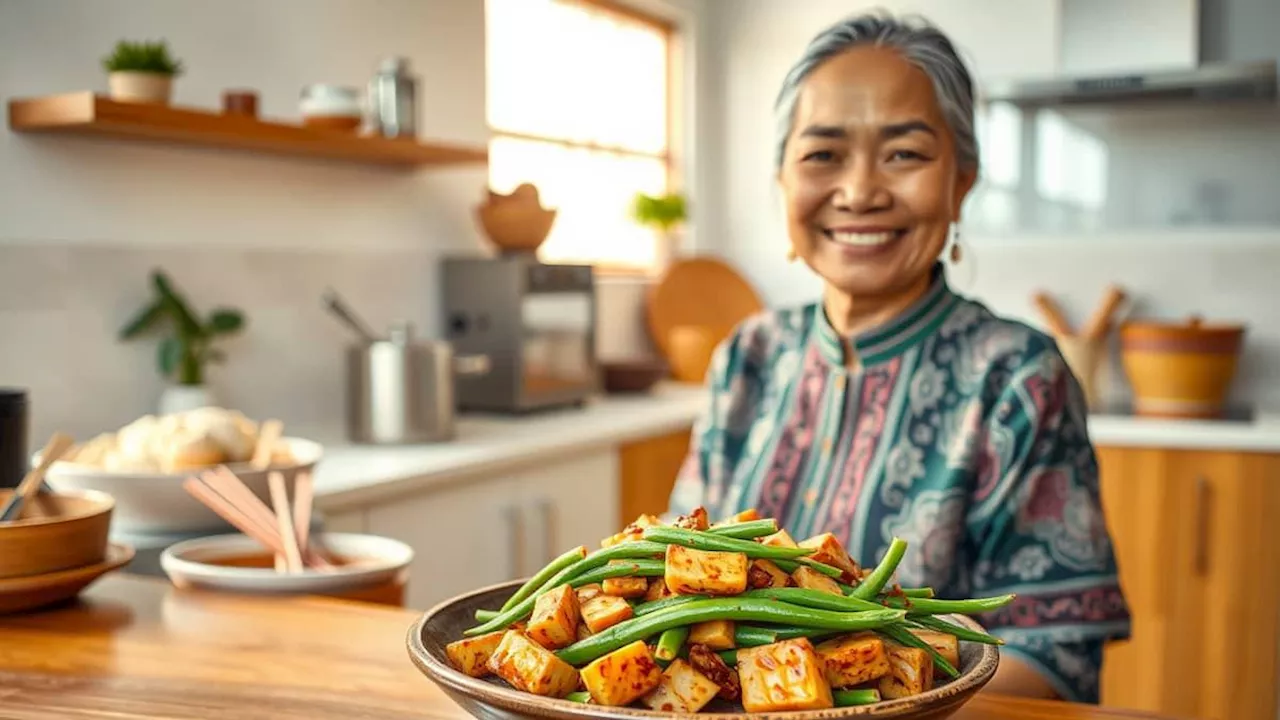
140,87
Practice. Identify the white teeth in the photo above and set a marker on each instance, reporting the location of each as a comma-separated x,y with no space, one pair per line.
862,239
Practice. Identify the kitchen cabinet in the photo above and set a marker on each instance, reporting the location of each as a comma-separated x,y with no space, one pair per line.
1196,535
489,529
648,469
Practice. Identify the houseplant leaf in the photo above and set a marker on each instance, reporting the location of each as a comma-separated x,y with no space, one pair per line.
188,326
169,355
225,320
144,320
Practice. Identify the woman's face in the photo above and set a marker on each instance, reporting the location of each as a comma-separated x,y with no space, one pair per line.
870,174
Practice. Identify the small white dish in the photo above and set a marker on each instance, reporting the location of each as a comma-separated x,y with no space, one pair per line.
372,560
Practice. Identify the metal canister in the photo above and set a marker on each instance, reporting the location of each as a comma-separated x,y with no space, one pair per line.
393,96
13,436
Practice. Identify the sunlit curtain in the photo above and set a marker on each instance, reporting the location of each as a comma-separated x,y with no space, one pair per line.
578,102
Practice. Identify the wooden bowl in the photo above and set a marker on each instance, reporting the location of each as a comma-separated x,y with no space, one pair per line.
492,699
634,376
691,349
59,531
1180,370
370,568
35,591
516,222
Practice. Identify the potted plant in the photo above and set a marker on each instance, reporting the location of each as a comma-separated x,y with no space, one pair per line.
664,213
187,348
141,72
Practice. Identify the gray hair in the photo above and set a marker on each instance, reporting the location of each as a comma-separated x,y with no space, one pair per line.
920,43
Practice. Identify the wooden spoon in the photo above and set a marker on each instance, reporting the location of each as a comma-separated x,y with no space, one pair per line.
1100,322
57,446
1052,314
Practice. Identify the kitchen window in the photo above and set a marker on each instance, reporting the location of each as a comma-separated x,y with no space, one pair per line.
579,103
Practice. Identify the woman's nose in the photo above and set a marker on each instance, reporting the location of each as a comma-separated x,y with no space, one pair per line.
860,188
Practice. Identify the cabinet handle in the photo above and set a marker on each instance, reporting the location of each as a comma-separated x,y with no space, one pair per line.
1204,501
515,566
546,515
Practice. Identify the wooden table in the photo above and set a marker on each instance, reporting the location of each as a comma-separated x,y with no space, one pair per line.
137,648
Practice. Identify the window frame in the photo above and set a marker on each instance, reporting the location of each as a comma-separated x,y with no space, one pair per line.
670,158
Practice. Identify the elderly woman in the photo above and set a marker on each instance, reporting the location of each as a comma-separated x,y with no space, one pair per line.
895,407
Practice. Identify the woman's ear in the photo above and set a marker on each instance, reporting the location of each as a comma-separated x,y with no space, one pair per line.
964,184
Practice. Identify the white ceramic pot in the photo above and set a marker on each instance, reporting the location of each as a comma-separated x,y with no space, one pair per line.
181,398
140,87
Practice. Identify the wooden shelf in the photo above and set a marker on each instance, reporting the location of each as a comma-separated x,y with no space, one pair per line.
84,113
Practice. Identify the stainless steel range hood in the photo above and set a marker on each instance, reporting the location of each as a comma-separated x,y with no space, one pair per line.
1154,52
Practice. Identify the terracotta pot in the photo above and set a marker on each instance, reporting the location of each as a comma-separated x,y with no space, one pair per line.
1180,369
140,87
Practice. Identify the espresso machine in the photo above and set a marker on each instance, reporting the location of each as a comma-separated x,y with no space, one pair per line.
536,323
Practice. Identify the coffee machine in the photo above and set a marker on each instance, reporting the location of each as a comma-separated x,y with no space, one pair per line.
537,324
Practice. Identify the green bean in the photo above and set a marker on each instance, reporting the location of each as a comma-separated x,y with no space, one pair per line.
670,643
752,636
925,592
812,599
735,608
581,696
662,604
873,583
545,574
748,530
928,622
791,566
847,698
633,568
931,606
902,636
730,657
621,551
718,543
486,615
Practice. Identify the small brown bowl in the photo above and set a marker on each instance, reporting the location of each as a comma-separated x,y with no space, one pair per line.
635,376
59,531
492,699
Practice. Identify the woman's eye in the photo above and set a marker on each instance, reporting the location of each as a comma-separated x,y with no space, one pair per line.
819,156
905,155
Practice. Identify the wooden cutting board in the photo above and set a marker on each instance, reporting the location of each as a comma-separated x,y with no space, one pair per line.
699,291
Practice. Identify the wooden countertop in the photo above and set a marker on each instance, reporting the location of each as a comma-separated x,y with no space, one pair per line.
135,648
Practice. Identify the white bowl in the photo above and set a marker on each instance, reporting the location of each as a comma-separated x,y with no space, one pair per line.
156,503
376,560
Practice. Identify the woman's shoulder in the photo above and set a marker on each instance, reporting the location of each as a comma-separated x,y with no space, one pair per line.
768,333
998,341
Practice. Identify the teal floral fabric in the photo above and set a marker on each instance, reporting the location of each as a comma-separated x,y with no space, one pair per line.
959,431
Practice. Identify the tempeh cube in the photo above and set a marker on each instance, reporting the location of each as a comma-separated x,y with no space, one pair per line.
786,675
947,645
910,672
605,611
471,655
854,659
766,574
779,539
682,689
703,572
555,618
829,551
807,577
715,634
528,666
623,675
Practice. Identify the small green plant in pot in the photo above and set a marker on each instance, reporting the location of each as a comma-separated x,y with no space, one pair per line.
664,213
187,349
141,72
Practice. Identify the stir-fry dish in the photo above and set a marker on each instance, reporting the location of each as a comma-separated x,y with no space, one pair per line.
670,617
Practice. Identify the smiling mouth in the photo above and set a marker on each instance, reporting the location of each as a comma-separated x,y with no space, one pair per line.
863,238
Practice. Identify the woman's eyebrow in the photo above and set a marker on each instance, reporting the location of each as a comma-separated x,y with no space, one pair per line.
888,132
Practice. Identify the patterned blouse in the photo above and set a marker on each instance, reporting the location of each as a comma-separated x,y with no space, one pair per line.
961,432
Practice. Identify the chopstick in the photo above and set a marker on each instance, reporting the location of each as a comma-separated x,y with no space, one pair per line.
284,519
302,499
31,484
228,511
267,439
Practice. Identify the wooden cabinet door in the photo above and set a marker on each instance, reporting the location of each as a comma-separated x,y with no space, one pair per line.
464,536
648,471
1195,536
572,502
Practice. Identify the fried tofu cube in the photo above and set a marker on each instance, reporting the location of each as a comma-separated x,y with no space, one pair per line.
627,587
657,590
471,655
705,572
586,592
807,577
605,611
786,675
696,520
715,634
682,690
634,531
766,574
584,631
745,516
782,538
622,676
947,645
528,666
555,618
910,672
828,550
854,659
